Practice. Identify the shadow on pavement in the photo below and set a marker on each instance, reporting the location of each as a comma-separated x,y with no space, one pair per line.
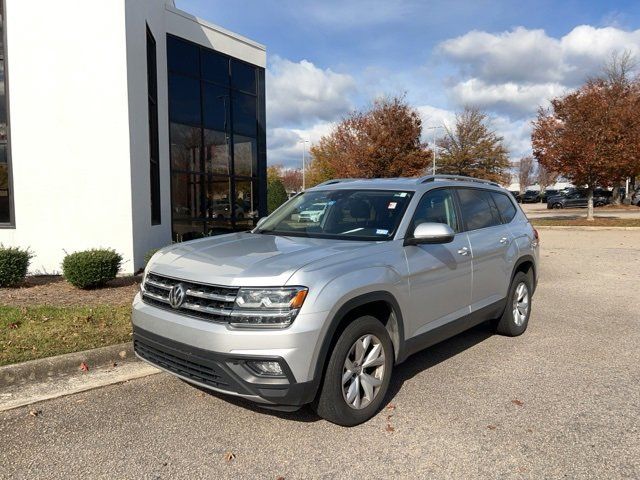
415,364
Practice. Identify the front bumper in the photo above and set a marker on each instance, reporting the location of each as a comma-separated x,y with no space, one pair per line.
214,356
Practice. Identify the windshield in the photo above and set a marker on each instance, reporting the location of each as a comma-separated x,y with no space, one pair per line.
344,214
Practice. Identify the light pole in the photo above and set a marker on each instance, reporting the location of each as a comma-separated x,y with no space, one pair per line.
433,172
303,142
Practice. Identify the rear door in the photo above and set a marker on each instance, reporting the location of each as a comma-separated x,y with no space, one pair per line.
491,247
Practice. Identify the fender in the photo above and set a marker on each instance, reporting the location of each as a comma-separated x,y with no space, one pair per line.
524,259
336,321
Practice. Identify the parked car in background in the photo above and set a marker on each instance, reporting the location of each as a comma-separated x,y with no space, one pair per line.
635,197
576,199
550,192
313,213
531,196
296,312
516,195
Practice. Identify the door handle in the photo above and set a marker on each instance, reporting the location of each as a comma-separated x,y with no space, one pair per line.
463,251
504,240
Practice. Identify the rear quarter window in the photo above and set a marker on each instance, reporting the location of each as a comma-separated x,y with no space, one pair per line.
505,206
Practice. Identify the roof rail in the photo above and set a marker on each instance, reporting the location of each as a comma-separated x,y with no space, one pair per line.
458,178
338,180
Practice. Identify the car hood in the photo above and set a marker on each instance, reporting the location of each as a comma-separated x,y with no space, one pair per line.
246,259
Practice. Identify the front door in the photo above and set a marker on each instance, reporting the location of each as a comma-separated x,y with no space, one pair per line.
440,274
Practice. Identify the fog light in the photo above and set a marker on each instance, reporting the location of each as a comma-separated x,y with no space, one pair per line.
267,368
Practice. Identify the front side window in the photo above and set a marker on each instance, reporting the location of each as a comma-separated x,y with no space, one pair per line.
436,206
478,208
505,206
340,214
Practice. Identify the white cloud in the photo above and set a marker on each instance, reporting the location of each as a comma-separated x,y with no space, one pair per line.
301,94
284,145
516,71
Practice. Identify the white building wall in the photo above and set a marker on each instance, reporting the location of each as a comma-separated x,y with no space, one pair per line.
69,129
79,123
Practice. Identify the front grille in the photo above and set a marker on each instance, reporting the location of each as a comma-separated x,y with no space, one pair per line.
187,366
208,302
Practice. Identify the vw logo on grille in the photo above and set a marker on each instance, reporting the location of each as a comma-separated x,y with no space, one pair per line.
176,295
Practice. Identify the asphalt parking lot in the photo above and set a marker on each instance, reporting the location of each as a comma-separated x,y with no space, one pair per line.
561,401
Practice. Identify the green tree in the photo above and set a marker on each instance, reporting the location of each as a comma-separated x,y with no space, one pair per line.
471,148
276,193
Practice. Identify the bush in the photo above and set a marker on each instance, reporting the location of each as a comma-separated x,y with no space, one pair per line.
91,268
14,264
276,194
149,254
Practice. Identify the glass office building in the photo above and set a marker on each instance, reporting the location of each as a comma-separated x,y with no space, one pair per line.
216,130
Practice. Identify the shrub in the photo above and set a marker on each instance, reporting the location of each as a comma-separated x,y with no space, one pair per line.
91,268
276,194
149,254
14,263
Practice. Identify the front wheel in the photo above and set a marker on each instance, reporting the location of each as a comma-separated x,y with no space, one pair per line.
557,205
358,373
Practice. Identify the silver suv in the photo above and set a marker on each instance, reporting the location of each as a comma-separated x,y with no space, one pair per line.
320,310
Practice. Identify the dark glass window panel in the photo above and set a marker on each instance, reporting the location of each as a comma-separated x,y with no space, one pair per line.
216,153
478,208
183,57
505,206
184,99
5,205
245,157
3,153
185,147
185,229
216,107
219,204
244,114
215,67
154,164
3,104
188,196
152,69
246,207
243,76
436,206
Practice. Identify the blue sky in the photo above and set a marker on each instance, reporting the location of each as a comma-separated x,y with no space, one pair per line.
328,57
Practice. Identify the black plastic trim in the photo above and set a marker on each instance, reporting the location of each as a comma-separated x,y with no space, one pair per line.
232,370
451,329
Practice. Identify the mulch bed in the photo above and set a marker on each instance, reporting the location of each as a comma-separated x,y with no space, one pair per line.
53,290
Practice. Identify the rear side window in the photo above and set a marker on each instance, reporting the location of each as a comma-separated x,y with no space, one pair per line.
505,206
478,208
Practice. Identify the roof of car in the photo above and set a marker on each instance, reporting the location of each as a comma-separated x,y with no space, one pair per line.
403,183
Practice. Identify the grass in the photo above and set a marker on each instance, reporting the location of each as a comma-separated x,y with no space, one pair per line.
27,333
583,222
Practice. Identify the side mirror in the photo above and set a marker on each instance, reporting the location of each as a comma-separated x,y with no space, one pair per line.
260,222
430,233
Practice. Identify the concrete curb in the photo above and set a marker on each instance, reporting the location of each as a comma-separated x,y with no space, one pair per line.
580,227
45,369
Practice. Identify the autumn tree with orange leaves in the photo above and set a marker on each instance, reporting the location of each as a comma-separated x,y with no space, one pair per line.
383,141
592,136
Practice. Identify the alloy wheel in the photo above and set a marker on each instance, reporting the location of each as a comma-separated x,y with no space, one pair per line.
520,304
363,371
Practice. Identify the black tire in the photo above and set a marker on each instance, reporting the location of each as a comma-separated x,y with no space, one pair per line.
330,403
557,205
506,324
598,204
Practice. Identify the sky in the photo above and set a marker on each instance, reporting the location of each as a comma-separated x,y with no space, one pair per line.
326,58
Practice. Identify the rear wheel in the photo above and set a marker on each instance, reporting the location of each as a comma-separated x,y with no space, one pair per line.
515,319
557,205
358,373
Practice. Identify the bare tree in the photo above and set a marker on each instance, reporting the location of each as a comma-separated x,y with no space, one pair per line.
472,148
525,172
545,177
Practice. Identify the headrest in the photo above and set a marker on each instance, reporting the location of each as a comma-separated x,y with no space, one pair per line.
359,208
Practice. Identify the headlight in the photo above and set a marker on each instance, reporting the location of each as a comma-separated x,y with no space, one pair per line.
267,307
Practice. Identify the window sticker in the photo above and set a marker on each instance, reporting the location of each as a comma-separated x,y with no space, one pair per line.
392,205
401,194
381,231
